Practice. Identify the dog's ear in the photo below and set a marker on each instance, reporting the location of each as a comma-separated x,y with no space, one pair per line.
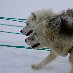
55,21
66,26
67,21
33,14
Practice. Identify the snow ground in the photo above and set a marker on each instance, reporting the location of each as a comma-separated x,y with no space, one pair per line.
19,60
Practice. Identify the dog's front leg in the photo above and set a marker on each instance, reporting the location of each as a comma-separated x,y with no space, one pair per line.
47,60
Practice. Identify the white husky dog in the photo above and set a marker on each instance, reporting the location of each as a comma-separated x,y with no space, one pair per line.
55,33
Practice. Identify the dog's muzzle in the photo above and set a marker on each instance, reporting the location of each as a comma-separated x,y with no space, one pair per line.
28,33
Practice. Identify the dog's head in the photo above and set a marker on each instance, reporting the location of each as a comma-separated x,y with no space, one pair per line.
35,40
30,24
34,18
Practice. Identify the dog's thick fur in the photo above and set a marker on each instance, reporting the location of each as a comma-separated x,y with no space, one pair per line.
55,33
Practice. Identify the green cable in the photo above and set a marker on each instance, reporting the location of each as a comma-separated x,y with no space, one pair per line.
10,32
47,49
11,25
13,19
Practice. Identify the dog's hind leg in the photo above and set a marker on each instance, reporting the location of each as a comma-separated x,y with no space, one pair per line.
47,60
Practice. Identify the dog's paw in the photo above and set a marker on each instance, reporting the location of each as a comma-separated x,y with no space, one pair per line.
36,66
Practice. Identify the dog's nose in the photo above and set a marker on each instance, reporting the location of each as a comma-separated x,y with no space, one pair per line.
25,40
21,31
